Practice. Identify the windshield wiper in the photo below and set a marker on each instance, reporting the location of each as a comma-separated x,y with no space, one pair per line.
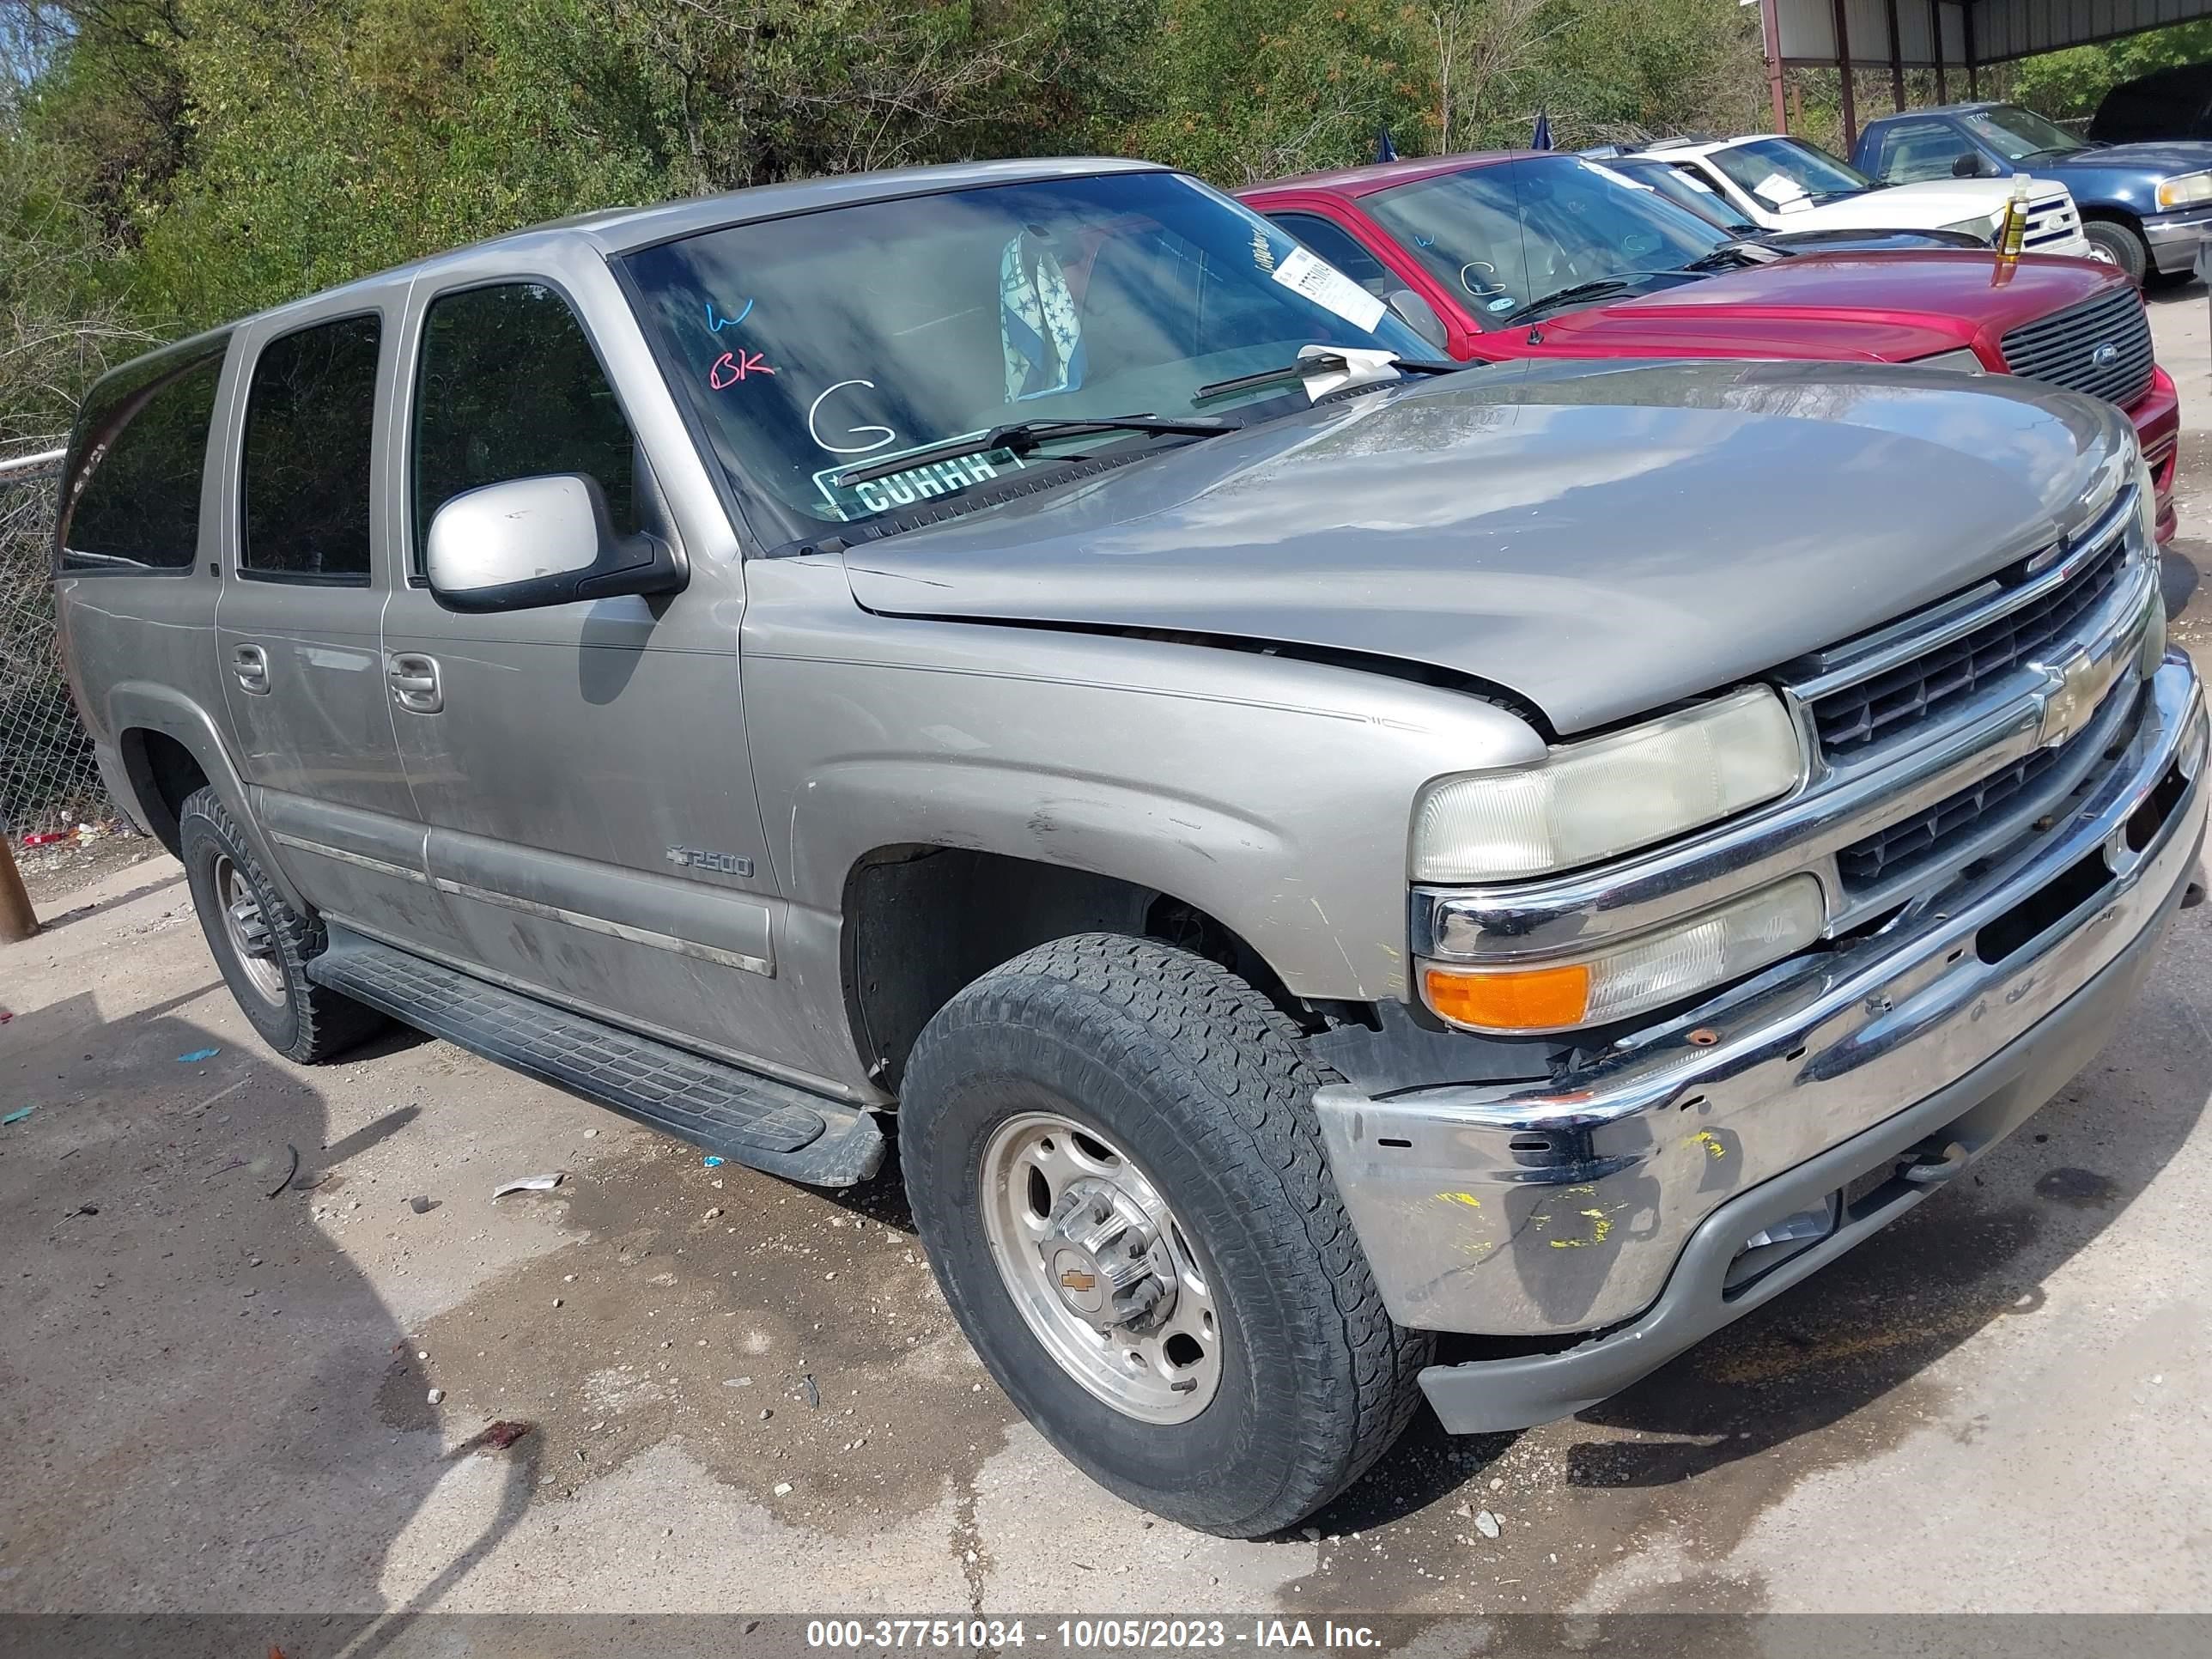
1024,437
1590,290
1321,362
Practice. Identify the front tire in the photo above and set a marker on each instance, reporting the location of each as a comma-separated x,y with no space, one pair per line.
262,944
2119,246
1110,1149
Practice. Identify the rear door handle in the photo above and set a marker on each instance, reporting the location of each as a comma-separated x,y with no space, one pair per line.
251,664
415,685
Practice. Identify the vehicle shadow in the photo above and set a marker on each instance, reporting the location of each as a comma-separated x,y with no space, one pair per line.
209,1408
1870,1323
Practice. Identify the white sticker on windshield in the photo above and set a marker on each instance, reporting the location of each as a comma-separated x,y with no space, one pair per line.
1778,189
1329,288
914,484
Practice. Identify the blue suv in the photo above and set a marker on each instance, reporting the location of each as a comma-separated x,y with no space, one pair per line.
2144,206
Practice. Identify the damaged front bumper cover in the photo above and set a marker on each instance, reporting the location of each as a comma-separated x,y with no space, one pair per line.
1628,1204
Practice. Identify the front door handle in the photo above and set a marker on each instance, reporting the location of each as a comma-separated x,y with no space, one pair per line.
251,664
413,679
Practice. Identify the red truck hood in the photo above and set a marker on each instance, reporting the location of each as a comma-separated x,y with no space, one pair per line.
1886,308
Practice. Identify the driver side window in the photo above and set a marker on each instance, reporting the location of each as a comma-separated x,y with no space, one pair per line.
1914,152
509,387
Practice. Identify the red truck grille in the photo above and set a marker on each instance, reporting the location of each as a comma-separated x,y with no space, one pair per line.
2101,346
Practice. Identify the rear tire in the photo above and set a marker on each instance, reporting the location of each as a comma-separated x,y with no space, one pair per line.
1190,1095
2120,245
262,944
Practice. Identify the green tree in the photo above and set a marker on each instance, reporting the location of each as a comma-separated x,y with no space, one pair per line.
2064,84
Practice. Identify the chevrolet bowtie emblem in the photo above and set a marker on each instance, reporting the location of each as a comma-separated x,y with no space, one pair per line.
1079,1281
2075,684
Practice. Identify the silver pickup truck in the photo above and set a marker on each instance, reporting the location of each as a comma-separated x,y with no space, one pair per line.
1310,847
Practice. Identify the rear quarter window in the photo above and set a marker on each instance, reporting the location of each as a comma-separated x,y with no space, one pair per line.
310,416
131,495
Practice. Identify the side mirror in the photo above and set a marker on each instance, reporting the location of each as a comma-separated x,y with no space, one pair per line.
1417,314
1968,166
532,542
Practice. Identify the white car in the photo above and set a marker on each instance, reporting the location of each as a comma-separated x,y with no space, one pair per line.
1781,183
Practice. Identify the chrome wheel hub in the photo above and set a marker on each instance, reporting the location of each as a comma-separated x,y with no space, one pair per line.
245,925
1099,1268
1107,1260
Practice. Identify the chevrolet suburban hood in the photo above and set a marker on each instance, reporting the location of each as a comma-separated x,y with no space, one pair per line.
1881,307
1600,540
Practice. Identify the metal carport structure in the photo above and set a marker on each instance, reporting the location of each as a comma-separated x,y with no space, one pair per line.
1942,35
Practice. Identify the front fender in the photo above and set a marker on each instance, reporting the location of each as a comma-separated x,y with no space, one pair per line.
1275,795
2096,190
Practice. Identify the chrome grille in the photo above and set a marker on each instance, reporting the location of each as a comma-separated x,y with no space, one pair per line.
1854,716
1886,850
2051,222
2064,348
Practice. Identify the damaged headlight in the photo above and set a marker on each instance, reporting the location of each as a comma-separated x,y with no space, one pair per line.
1586,802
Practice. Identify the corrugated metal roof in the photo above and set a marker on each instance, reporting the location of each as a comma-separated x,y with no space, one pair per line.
1968,31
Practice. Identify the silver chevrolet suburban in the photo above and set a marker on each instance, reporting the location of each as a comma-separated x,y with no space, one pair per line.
1310,847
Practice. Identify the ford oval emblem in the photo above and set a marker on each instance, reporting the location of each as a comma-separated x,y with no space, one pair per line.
2104,355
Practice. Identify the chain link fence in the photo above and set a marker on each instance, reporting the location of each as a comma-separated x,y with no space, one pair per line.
49,782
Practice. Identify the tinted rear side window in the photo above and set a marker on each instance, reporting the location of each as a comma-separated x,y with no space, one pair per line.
510,388
308,419
133,498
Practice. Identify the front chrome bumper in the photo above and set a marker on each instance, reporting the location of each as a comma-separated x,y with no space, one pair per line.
2174,238
1552,1209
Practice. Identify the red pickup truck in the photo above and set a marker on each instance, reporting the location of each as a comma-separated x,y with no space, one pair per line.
1548,255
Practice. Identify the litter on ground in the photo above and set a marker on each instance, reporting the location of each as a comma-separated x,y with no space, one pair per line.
537,1183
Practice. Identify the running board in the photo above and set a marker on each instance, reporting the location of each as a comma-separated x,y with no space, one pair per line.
735,1114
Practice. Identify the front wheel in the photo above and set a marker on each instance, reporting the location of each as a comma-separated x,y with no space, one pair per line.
2116,245
1112,1157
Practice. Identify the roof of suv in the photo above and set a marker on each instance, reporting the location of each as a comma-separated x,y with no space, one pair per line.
1382,175
624,230
1938,109
1704,146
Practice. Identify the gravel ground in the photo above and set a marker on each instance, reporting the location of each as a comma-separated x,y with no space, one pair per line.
745,1396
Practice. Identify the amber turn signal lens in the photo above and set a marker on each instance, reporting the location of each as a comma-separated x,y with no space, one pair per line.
1520,999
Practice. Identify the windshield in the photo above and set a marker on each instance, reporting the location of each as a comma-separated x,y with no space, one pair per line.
827,342
2016,134
1781,171
1516,231
1686,190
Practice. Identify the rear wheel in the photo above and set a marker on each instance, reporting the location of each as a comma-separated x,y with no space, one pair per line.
2116,245
1112,1157
261,944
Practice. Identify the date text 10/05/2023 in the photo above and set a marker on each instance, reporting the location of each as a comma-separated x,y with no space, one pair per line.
1130,1634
